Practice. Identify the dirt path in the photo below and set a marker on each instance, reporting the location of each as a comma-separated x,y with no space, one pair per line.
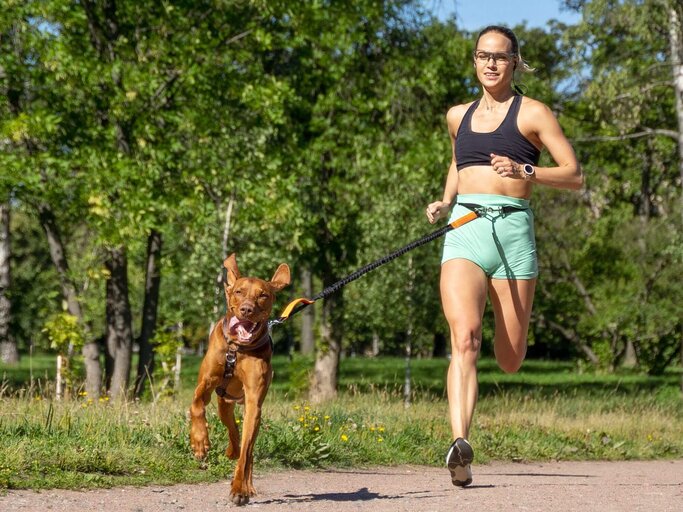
557,487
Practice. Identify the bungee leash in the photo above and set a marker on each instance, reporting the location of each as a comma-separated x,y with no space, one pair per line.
298,304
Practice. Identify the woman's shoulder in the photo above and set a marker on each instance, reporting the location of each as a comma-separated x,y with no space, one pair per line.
457,112
533,107
459,109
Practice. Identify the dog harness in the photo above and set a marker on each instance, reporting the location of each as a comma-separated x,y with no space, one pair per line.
235,347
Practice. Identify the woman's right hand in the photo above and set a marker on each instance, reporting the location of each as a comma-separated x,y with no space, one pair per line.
437,210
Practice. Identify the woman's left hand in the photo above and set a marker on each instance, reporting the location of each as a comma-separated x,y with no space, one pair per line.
506,167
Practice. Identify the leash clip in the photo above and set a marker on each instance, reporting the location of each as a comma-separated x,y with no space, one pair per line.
231,357
274,322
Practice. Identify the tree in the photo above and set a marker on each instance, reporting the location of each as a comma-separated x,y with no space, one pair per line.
8,345
675,13
622,128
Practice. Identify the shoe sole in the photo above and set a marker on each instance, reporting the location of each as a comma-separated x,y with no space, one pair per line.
459,457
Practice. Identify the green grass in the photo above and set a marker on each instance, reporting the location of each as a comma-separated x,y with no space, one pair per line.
548,411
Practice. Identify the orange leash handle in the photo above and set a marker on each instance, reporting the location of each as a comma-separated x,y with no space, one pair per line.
463,220
287,312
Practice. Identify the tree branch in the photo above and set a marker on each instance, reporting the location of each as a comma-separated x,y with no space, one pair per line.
647,132
643,90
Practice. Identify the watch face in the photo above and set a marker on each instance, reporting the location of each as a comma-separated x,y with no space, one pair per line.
529,169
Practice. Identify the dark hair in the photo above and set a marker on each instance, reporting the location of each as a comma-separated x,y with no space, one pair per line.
504,31
521,63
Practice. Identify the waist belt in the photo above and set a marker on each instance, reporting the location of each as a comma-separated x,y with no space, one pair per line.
483,210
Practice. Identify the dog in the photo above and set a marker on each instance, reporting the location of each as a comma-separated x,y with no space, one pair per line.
237,365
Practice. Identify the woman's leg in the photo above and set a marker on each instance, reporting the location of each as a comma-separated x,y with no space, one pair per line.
463,296
512,301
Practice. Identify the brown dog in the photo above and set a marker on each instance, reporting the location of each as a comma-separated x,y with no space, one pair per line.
237,365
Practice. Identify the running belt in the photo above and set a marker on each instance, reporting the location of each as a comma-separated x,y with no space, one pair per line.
479,209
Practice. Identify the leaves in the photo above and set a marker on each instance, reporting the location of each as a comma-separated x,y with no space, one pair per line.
323,123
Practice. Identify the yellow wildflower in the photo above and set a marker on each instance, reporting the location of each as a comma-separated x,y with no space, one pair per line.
344,437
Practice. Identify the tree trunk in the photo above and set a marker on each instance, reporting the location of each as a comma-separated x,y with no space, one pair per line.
676,44
58,255
326,369
407,386
119,330
149,311
9,354
90,351
307,315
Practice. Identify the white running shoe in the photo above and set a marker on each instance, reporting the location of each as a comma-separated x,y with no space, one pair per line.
458,459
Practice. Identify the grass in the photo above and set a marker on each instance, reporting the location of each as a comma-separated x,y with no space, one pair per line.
548,411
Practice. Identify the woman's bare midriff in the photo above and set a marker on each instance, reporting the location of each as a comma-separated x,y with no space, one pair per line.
482,179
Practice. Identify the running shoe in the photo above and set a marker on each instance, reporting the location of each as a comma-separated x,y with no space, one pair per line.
458,459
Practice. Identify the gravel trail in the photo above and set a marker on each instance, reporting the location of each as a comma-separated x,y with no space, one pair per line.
651,486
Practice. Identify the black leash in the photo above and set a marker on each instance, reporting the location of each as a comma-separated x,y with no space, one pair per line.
298,304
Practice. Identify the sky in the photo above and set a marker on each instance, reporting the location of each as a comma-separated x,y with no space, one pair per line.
473,15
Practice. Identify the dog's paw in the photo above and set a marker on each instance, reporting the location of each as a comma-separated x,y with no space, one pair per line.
200,447
199,440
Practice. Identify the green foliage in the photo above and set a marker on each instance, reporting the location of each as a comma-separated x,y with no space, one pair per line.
166,343
322,124
299,374
64,332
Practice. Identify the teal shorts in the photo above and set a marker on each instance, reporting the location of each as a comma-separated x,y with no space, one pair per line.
503,244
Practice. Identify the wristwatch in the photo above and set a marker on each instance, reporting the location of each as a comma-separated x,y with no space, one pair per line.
529,171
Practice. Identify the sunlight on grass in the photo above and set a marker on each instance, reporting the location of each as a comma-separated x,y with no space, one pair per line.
84,443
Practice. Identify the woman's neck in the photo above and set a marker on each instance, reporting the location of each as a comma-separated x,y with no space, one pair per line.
493,101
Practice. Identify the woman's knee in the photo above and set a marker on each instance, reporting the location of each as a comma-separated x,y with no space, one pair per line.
466,342
510,359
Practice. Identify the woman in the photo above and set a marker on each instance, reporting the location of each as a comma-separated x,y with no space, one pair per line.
496,144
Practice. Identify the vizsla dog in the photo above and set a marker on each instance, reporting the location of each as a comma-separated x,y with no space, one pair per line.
237,366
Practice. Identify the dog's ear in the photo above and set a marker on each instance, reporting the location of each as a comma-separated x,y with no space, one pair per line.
230,265
280,278
233,273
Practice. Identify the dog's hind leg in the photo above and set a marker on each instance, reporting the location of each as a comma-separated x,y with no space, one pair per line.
226,412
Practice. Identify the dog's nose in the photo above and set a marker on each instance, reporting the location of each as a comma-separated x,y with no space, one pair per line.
246,309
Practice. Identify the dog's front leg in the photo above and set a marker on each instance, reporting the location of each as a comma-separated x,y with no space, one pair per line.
199,432
257,375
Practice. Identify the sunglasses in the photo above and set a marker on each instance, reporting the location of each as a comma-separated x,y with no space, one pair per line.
500,58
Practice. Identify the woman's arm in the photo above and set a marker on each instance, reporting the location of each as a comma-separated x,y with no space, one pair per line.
439,209
541,122
567,173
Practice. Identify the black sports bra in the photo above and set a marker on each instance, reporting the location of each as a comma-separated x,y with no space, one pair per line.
475,148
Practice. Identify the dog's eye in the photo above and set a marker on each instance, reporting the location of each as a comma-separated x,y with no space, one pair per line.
238,292
263,296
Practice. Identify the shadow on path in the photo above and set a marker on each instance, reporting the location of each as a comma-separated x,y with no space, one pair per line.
360,495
